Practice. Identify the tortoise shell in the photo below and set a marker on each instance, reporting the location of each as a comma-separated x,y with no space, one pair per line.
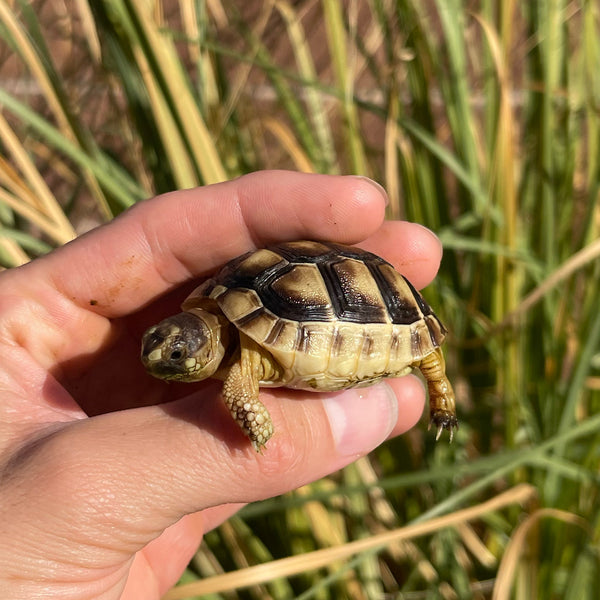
332,316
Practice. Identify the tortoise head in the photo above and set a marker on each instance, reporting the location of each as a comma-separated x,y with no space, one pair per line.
188,346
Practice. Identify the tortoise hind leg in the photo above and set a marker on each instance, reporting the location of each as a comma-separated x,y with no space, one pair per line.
240,392
442,405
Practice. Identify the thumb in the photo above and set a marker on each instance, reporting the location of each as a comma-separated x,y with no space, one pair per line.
107,485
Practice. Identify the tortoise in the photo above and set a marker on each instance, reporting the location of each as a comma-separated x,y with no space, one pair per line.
306,315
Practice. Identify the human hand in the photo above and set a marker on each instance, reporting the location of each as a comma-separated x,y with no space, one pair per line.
109,477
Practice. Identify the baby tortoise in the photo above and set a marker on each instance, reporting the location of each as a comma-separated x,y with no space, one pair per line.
305,315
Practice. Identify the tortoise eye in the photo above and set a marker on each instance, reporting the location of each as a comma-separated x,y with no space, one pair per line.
177,353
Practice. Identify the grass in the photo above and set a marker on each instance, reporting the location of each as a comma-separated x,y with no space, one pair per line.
482,122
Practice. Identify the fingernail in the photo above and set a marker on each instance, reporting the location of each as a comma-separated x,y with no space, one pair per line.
362,418
376,185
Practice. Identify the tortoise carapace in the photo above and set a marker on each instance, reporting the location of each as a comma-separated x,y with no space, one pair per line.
305,315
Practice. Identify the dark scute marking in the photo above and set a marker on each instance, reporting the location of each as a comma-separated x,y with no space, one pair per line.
425,308
338,342
257,262
416,343
358,284
303,340
302,285
403,309
318,252
293,307
230,270
275,332
367,345
395,343
232,275
243,321
348,302
302,251
437,331
207,287
356,253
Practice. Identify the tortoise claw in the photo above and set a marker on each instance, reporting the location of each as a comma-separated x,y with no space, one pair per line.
444,420
439,433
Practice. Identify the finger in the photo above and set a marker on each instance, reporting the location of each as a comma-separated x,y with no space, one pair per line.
143,469
158,566
414,250
162,242
217,515
410,392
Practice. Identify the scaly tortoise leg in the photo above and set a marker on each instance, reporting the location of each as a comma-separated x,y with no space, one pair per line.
442,404
240,392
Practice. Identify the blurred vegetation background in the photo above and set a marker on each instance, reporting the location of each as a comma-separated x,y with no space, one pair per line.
482,120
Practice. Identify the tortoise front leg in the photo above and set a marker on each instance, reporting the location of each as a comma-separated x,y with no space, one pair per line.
240,392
